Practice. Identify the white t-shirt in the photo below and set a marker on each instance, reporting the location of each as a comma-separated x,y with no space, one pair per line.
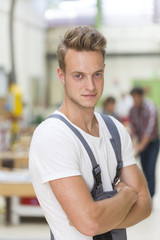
56,152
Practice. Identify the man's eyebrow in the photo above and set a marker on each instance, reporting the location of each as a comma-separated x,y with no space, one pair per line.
100,70
78,72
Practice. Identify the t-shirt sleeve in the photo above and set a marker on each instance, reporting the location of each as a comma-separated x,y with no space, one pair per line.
126,145
55,153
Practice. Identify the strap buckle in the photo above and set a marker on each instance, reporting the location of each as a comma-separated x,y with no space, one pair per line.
97,175
116,181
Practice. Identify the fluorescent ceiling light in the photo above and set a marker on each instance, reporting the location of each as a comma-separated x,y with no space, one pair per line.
71,10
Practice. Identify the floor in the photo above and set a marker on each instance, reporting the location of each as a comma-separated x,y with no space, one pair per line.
146,230
149,228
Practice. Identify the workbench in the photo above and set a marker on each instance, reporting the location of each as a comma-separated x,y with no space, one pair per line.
18,159
14,184
10,191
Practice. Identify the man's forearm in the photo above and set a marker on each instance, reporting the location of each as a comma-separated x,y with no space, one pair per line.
111,212
139,211
144,142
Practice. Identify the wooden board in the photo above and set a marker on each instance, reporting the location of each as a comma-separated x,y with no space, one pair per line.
16,189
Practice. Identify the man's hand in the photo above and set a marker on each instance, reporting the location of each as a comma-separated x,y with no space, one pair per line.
139,147
132,194
120,185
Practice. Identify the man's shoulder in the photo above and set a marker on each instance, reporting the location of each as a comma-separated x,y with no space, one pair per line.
52,130
148,103
49,125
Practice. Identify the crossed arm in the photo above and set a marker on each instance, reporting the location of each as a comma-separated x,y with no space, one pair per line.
129,206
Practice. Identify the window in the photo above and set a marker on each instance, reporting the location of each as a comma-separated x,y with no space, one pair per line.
114,12
127,12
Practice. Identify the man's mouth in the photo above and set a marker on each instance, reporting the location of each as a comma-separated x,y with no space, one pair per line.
89,95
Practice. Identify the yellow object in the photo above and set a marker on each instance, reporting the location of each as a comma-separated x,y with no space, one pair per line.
15,131
15,93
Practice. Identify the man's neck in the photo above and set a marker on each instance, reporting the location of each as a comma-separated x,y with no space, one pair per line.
83,118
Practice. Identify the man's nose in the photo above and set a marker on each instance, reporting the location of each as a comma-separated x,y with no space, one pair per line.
90,84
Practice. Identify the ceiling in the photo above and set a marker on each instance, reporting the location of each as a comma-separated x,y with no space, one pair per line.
68,12
79,12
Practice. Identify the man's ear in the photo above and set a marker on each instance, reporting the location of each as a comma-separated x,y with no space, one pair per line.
61,75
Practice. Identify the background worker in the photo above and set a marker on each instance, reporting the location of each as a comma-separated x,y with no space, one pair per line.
144,125
109,105
59,165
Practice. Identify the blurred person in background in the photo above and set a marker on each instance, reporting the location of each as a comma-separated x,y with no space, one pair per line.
109,106
144,125
123,106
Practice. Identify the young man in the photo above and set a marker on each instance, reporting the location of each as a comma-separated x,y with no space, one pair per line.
60,167
144,125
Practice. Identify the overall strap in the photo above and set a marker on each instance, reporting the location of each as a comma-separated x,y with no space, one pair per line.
116,144
96,167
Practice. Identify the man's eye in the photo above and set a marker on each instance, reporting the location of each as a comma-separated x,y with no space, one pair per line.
78,76
97,74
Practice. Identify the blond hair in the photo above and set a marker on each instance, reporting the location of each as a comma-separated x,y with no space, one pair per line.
81,38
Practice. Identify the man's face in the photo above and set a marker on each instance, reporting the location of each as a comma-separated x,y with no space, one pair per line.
138,100
83,78
110,107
